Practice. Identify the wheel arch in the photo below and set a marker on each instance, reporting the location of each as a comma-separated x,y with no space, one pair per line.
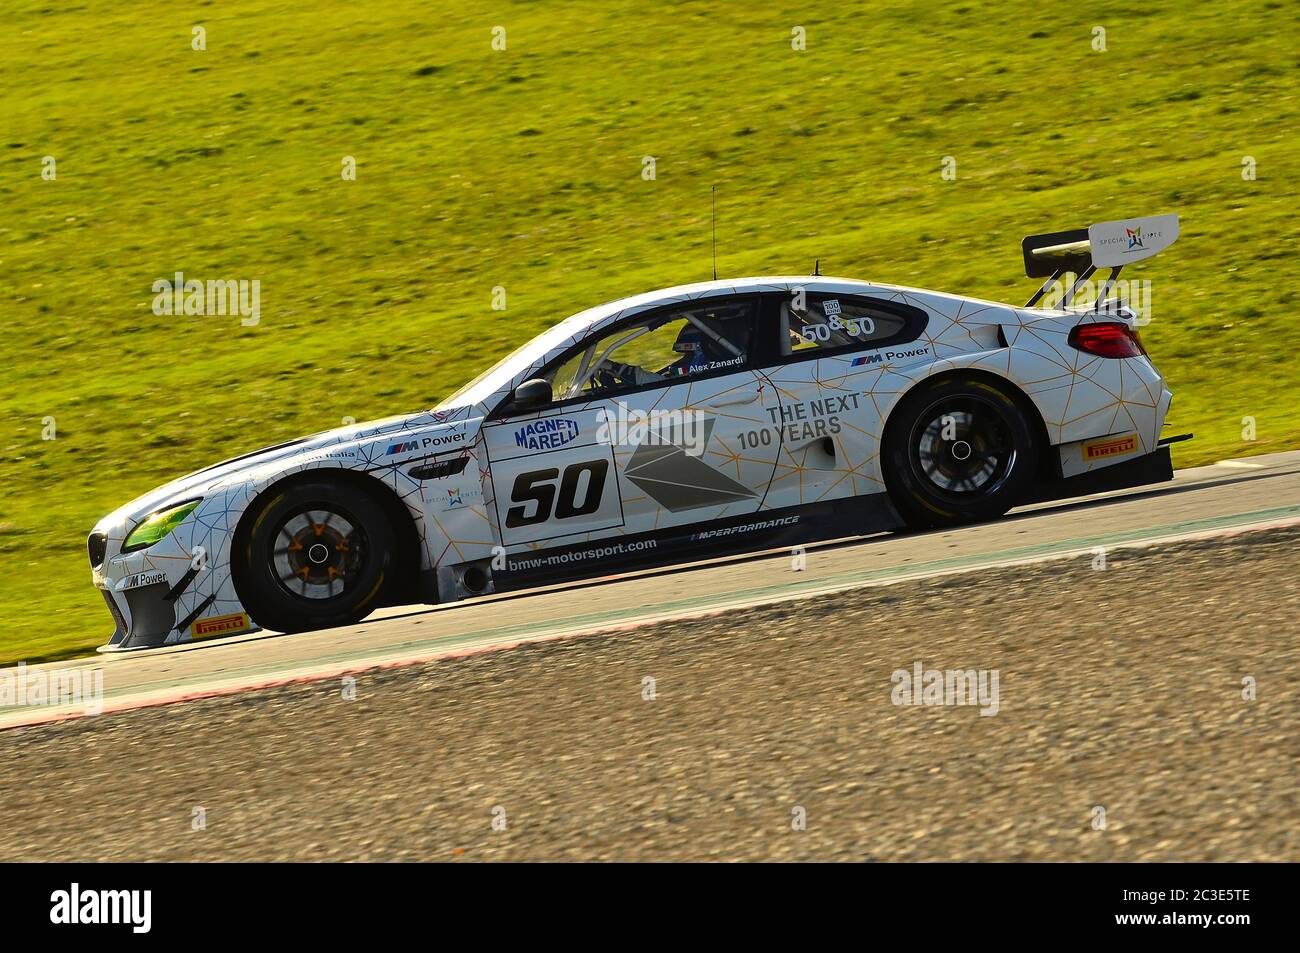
400,516
1048,464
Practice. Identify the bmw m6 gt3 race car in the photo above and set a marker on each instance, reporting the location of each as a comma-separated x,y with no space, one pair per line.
682,424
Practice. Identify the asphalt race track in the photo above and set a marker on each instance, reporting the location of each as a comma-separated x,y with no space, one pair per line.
1260,491
1122,628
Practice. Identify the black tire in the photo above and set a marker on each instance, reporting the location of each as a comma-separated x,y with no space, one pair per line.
316,555
959,451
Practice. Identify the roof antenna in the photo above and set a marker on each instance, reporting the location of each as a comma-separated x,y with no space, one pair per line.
817,268
715,233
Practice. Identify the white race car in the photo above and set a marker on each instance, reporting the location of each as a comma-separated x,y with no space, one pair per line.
676,425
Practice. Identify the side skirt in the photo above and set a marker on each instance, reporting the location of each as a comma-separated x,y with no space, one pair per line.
769,529
752,532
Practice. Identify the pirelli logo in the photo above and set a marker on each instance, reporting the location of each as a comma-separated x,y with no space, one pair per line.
1110,447
219,625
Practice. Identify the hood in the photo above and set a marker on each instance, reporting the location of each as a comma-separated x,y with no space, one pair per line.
343,441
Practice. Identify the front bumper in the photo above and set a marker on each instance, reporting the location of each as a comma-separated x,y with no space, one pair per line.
143,617
162,595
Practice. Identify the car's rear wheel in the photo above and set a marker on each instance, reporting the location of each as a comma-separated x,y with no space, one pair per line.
959,451
318,554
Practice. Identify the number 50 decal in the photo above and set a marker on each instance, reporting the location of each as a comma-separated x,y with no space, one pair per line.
576,497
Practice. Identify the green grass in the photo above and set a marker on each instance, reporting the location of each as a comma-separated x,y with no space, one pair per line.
522,168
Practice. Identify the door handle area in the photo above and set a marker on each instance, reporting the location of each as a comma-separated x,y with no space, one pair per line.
739,401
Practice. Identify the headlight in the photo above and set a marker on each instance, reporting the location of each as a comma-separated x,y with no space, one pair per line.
156,526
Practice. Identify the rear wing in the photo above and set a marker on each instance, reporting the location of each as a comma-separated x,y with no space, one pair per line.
1081,251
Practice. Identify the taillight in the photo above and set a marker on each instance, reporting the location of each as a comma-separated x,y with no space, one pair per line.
1107,339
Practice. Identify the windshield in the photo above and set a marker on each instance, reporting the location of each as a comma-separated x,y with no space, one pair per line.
462,394
500,374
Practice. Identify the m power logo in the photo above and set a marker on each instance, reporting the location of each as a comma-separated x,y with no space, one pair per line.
1110,447
433,440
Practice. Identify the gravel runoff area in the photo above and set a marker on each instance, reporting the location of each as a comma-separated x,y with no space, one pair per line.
1119,689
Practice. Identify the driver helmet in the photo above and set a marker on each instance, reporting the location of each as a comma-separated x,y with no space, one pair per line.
691,340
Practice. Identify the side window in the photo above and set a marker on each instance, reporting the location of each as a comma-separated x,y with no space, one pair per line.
664,347
814,323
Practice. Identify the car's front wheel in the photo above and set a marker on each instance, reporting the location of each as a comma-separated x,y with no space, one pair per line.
317,554
956,452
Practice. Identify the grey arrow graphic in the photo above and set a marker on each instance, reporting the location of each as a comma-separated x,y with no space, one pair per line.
679,481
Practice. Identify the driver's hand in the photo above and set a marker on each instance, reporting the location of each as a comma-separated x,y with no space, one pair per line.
611,375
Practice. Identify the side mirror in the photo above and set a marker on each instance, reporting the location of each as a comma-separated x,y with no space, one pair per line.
533,393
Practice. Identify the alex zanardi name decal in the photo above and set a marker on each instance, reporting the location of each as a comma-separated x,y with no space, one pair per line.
550,433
